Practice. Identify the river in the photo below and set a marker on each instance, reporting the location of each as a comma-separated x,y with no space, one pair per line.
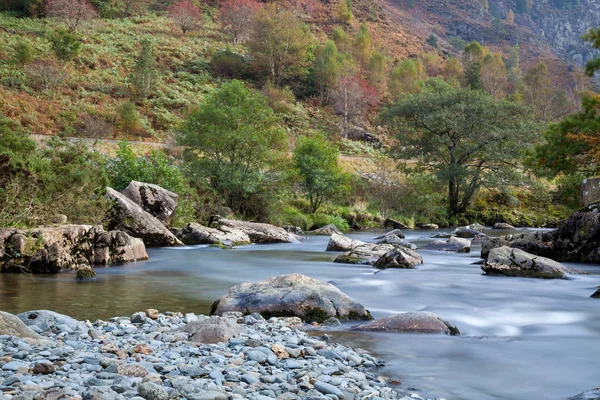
521,338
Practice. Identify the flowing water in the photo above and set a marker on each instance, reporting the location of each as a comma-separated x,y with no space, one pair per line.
521,338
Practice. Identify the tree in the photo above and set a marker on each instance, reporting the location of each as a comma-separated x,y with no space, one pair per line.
405,78
465,137
377,71
510,17
66,45
237,16
185,14
513,66
144,76
362,46
472,60
23,52
593,37
493,75
279,44
71,12
326,68
350,99
233,139
134,7
432,40
316,161
453,71
538,90
343,11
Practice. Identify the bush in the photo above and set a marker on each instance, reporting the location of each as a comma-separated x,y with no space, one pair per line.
129,120
23,52
45,74
228,64
66,45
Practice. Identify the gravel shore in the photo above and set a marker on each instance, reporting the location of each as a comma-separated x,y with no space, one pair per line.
155,356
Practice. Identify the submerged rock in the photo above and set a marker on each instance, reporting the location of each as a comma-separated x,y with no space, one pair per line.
410,322
11,325
153,199
84,272
399,258
508,261
129,217
258,233
453,244
195,233
212,330
292,295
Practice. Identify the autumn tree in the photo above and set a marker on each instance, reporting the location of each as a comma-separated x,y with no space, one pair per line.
344,11
472,60
493,75
350,99
453,71
237,17
134,7
71,12
185,14
279,44
465,137
405,77
538,90
510,17
326,68
362,46
377,70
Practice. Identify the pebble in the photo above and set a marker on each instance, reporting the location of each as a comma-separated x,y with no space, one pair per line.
148,357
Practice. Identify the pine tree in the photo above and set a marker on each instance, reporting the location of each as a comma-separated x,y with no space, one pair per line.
145,75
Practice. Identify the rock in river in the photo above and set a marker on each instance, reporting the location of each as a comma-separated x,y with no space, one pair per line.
326,230
11,325
127,216
197,234
116,247
258,233
395,232
578,237
516,262
458,245
153,199
292,295
410,322
399,258
502,225
596,294
538,243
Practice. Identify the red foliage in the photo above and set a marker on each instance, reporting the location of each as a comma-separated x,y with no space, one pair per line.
237,17
73,12
185,14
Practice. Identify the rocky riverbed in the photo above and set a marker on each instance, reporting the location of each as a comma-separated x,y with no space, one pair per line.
156,356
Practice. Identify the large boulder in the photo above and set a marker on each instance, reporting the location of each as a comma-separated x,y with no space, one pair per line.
13,326
538,243
258,233
127,216
326,230
593,394
503,225
153,199
508,261
399,258
578,237
410,322
590,191
46,320
596,294
427,226
195,233
66,247
116,247
395,240
395,232
339,242
392,223
453,244
212,330
292,295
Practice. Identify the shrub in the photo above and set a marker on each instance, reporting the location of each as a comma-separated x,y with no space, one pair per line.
129,120
23,52
228,64
92,126
71,12
45,74
66,45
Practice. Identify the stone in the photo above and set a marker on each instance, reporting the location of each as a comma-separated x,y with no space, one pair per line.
516,262
117,247
152,313
596,294
43,368
593,394
410,322
396,232
427,226
194,234
399,258
212,330
339,242
153,199
60,219
15,366
590,191
208,395
577,238
326,230
469,233
538,243
127,216
453,244
152,391
395,240
47,320
326,388
392,223
258,233
292,295
503,225
132,370
142,348
280,351
11,325
84,272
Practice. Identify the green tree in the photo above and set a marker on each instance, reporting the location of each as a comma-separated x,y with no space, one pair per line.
343,11
326,68
513,66
538,90
593,37
145,75
23,52
341,39
405,78
472,60
66,45
362,46
279,44
465,137
316,161
129,120
233,139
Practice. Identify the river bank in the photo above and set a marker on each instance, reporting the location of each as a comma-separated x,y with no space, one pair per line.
156,356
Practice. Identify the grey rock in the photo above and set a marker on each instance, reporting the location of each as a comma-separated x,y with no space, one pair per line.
212,330
194,234
503,225
578,237
116,247
258,233
152,391
516,262
593,394
11,325
153,199
326,230
399,258
291,295
410,322
326,388
453,244
396,232
45,319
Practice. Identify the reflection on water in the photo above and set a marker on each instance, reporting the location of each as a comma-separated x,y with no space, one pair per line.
521,338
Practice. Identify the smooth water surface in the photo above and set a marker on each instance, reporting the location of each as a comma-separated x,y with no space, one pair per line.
521,338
